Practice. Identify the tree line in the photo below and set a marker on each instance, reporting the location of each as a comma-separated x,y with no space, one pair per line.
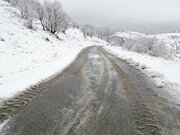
50,14
52,17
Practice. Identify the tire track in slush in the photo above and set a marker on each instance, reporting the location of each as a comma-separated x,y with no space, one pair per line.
8,109
145,121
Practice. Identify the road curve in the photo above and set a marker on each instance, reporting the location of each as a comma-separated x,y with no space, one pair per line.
98,94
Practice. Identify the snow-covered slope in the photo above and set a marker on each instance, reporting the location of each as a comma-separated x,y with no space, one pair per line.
129,34
28,56
172,40
120,37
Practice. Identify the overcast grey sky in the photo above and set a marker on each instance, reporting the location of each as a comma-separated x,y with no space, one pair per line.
123,13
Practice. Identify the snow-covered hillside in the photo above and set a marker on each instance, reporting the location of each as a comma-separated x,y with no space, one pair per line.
172,41
160,45
129,34
29,56
121,37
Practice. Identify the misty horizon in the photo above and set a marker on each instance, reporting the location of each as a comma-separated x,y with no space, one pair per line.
138,15
148,17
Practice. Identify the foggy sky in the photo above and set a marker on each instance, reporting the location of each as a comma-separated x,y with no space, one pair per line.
124,14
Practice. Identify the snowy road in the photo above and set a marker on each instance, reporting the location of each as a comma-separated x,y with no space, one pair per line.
98,94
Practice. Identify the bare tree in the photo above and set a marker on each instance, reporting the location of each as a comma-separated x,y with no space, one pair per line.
27,11
75,25
50,14
53,17
148,45
65,23
88,30
41,13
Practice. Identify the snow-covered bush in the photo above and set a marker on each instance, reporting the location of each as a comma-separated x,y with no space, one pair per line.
50,14
128,44
143,45
116,41
66,22
159,49
88,30
148,45
41,13
26,8
53,15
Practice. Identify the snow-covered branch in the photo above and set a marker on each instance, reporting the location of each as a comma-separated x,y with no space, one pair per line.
50,14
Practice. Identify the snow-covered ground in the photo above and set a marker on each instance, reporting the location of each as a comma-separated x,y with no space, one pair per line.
129,35
29,56
165,73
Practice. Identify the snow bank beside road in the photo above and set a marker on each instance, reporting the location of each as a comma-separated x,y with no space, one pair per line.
29,56
165,73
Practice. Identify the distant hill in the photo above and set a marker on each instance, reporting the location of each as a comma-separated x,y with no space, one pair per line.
119,38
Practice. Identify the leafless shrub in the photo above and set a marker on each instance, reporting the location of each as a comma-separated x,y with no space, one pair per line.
148,45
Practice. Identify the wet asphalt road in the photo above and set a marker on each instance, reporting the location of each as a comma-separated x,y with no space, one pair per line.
98,94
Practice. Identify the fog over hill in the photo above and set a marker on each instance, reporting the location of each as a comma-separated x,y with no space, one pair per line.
149,28
147,16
